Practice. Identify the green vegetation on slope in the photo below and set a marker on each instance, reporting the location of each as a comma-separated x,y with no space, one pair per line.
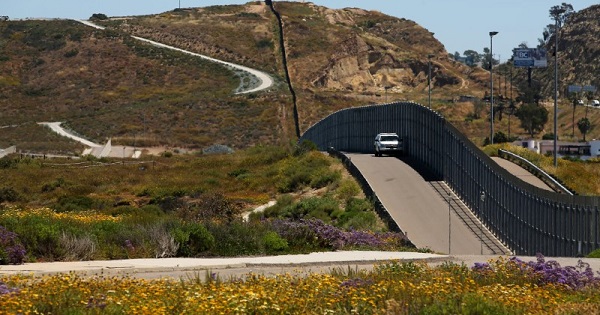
95,209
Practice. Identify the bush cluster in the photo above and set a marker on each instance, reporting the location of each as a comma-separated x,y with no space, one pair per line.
48,235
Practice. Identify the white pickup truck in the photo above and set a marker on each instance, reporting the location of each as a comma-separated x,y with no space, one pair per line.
388,143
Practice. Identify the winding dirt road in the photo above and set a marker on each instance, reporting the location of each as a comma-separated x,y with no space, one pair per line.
55,126
265,79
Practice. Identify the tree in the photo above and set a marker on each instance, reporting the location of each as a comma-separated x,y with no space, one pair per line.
584,126
561,13
530,94
546,35
533,117
589,95
99,16
574,100
472,56
485,59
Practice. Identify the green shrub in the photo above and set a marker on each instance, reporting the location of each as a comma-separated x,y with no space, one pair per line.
41,237
324,178
347,189
193,239
59,182
238,172
6,163
264,43
263,155
313,207
238,238
73,203
594,254
274,243
471,303
304,147
293,180
8,194
361,221
309,169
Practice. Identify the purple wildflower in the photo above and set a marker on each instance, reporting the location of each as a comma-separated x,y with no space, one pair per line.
573,277
356,283
11,250
5,289
317,232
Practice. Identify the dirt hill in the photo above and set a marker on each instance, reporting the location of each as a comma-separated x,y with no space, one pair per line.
104,84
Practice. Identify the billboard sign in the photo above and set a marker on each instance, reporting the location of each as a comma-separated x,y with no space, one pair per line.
574,88
530,57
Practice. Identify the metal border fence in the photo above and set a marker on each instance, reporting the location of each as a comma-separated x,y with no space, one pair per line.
527,219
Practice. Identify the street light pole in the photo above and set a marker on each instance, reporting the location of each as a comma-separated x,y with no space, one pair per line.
482,199
449,222
512,106
491,89
555,86
429,77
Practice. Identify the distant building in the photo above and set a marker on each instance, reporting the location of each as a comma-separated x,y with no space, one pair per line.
582,150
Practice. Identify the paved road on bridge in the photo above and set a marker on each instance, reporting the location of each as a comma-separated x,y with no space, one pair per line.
418,208
521,173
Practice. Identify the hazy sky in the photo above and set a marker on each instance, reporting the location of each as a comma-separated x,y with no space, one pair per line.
458,24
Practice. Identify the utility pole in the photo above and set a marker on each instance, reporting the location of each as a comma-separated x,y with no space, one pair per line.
555,86
491,89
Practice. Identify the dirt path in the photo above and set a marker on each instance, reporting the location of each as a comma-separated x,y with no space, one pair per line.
55,126
265,79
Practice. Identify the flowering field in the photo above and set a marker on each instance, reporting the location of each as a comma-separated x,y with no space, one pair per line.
497,287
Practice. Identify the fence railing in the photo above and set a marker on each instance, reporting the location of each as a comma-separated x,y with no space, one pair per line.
529,220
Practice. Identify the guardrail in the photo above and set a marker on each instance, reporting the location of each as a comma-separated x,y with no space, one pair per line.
384,215
539,173
529,220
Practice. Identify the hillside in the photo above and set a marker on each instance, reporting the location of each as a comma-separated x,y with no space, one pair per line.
336,58
104,84
579,52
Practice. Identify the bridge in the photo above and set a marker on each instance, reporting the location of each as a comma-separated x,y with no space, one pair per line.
523,218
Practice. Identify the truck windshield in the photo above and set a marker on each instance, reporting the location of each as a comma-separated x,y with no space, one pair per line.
389,138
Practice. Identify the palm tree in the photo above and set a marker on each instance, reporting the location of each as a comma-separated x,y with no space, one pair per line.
584,126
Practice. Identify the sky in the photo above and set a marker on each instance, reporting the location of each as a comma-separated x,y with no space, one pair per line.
458,24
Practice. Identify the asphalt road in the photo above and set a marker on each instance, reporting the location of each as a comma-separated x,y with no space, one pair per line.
417,208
